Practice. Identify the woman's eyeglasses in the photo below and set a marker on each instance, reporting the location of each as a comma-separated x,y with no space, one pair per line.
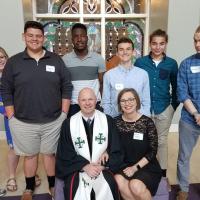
129,101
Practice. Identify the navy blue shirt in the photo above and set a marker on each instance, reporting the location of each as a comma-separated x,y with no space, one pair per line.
163,82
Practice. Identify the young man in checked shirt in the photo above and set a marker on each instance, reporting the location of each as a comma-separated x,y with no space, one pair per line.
188,87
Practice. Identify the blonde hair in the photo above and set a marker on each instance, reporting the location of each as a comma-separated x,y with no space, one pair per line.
198,29
3,51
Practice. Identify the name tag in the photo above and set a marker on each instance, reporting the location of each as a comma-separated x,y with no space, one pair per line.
1,103
119,86
138,136
50,68
195,69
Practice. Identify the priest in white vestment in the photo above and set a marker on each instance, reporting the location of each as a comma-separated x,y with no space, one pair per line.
84,138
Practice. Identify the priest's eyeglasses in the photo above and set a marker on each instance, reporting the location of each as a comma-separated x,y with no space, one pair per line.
129,101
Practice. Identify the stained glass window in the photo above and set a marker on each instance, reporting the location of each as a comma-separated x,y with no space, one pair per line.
124,6
128,28
106,21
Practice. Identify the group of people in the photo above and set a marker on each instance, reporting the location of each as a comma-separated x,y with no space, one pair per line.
96,146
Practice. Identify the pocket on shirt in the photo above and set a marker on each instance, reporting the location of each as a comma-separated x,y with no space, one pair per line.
163,74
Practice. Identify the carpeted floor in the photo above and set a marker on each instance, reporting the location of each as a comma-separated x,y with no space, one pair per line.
194,194
35,197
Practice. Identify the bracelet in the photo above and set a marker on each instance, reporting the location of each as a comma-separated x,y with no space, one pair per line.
138,167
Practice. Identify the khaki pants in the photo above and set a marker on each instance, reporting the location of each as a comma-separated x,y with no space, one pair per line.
162,122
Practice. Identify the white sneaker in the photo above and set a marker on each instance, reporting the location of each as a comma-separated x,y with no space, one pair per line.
2,192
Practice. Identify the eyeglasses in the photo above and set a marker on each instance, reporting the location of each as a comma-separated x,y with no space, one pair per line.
129,101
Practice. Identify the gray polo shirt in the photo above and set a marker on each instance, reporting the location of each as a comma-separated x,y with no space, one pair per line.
84,72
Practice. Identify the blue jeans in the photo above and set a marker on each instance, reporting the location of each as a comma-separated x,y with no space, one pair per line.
188,136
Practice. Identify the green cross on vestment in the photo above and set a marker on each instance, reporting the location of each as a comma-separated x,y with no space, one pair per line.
100,138
79,142
85,183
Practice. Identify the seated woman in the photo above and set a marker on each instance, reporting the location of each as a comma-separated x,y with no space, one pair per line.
142,174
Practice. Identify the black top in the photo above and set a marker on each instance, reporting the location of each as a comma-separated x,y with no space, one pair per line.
36,88
68,161
144,146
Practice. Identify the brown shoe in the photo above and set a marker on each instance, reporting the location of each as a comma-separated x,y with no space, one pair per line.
27,195
182,195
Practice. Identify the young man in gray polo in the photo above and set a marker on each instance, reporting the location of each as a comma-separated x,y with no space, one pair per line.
86,67
36,92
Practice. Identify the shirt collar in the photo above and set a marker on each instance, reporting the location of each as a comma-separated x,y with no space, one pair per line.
26,56
87,56
197,56
86,118
150,57
123,69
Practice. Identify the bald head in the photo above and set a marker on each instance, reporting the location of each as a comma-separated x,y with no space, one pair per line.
87,101
86,92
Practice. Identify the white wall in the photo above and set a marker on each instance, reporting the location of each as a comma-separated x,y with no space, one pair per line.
183,19
12,23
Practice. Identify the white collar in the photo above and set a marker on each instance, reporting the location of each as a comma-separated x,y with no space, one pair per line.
86,118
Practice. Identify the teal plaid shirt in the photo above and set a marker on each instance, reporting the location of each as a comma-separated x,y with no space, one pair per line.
189,85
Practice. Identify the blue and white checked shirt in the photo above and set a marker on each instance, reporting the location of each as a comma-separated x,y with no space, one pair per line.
119,78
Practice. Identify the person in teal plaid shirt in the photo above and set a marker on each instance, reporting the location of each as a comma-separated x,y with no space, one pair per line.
188,90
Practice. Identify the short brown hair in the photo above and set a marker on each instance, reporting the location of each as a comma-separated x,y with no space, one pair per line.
135,94
125,40
159,33
35,25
